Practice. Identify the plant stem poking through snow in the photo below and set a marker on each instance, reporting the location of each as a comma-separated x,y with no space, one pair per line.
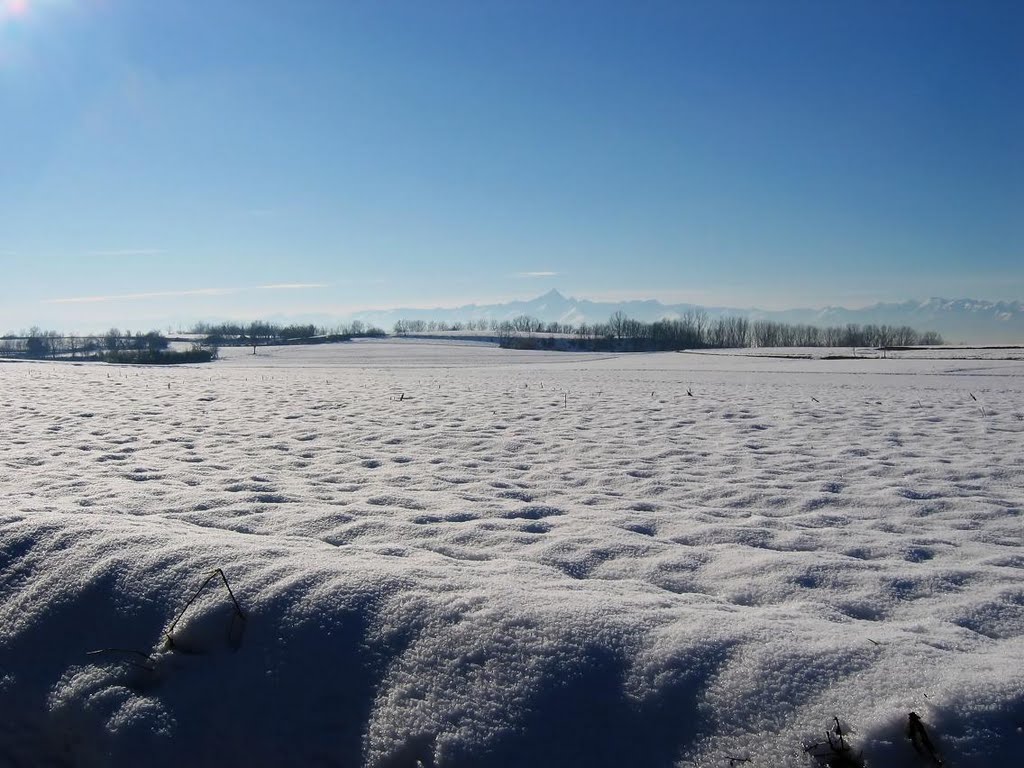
835,751
918,736
981,408
237,619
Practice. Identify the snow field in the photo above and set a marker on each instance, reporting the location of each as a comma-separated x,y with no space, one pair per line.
458,556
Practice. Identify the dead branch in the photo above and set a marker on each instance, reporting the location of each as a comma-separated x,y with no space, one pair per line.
238,614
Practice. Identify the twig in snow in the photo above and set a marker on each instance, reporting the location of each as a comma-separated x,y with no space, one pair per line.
835,751
815,399
689,392
126,651
238,614
838,730
918,736
980,406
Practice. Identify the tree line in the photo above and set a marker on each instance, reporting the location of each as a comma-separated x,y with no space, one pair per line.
113,346
259,333
693,330
153,347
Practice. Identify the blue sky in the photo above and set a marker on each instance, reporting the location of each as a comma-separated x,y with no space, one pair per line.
167,161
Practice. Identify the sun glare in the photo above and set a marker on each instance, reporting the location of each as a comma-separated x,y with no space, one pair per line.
15,8
12,11
15,11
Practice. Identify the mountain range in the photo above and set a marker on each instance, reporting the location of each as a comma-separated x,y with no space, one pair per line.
969,321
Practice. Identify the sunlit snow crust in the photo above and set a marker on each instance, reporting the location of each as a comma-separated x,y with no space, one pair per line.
461,556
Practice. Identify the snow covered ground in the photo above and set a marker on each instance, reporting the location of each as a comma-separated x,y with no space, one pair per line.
455,555
908,353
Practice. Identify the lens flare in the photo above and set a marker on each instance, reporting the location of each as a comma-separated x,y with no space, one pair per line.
14,9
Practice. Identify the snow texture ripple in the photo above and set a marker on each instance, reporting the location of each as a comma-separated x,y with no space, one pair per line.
453,555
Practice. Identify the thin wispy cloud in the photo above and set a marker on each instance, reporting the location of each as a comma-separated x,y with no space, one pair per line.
146,295
538,274
127,253
189,292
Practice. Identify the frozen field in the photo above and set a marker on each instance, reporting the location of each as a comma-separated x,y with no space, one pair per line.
1005,353
452,555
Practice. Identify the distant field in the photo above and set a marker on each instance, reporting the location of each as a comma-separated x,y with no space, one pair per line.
449,554
921,353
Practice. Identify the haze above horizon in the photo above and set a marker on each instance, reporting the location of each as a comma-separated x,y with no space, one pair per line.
162,162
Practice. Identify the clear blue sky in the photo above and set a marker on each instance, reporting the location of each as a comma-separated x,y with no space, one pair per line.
249,158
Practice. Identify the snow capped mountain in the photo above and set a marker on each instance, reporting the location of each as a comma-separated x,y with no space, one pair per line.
958,320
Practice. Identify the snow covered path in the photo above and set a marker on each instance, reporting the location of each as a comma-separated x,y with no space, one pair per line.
463,556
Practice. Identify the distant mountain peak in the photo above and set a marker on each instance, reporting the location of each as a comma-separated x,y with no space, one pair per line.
553,295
